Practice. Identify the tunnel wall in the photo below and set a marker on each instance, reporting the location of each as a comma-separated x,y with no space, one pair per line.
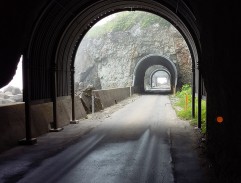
13,119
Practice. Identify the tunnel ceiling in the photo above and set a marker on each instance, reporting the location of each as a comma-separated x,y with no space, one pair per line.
61,25
148,61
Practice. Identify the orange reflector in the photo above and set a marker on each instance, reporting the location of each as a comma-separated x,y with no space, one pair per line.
219,119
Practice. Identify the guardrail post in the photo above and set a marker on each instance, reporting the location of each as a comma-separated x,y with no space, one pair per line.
54,127
199,100
27,99
73,121
93,103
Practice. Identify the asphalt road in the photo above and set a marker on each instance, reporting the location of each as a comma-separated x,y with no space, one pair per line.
143,142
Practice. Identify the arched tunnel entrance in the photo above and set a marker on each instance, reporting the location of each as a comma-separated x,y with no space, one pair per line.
51,64
160,80
49,58
151,60
49,32
66,30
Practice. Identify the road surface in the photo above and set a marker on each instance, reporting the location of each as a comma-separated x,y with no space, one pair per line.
143,142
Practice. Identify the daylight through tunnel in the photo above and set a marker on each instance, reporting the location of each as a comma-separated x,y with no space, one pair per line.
151,60
160,80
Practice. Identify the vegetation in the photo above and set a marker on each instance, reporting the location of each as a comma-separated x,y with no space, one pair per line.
183,106
125,21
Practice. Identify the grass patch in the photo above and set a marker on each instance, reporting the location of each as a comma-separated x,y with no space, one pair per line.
182,103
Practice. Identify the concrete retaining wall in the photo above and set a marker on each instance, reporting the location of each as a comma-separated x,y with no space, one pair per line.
111,96
12,119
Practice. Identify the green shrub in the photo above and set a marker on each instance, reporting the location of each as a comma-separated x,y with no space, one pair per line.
183,106
125,21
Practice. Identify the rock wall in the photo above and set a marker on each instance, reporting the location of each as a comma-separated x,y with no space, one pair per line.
10,95
109,61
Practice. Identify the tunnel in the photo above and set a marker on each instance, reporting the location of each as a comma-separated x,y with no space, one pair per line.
165,80
54,34
47,34
148,61
55,39
49,55
51,34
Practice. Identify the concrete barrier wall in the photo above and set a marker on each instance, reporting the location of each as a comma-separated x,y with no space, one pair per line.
111,96
12,119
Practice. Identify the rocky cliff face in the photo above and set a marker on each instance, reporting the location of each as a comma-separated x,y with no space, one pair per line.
109,61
